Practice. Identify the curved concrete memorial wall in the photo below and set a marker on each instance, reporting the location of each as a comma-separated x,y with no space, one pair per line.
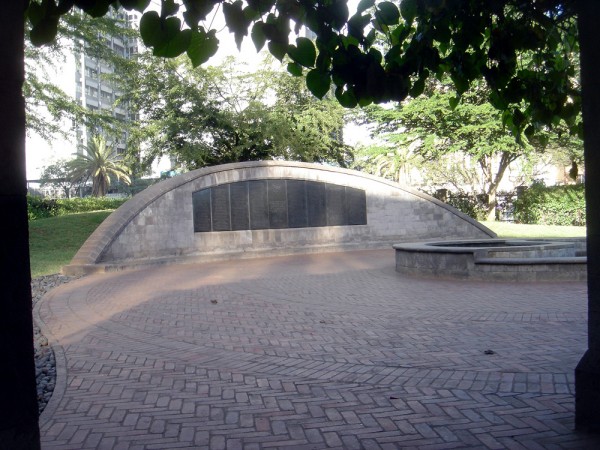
266,208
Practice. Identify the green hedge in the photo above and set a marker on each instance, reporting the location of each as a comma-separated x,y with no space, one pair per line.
551,205
470,205
39,207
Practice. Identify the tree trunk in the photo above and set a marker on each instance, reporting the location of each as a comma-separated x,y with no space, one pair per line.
490,215
494,182
18,395
99,187
587,373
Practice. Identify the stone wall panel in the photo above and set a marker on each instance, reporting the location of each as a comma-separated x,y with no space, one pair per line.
158,224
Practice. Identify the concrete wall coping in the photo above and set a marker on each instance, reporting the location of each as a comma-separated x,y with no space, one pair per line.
567,260
453,246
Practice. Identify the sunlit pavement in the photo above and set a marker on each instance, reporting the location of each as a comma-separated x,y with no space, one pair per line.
311,351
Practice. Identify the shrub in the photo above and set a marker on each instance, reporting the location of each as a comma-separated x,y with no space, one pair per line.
471,205
39,207
551,205
87,204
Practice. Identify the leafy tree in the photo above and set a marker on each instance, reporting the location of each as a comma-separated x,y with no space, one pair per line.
48,107
313,129
563,148
59,175
101,163
472,130
201,117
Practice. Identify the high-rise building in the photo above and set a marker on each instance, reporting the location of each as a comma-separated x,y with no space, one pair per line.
94,87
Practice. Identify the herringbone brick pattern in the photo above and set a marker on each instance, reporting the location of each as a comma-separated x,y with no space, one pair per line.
314,351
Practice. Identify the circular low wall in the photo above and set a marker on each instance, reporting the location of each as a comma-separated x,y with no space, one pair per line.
495,259
196,216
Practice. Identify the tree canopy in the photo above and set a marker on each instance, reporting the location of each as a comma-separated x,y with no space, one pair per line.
59,175
432,130
46,103
200,117
383,51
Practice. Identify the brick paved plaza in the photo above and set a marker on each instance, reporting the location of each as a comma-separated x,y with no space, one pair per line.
312,351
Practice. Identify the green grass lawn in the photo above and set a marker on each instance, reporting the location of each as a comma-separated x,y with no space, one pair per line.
54,241
519,230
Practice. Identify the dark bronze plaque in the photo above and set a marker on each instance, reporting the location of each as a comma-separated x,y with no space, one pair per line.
221,220
356,206
315,202
201,203
240,214
277,204
259,208
296,197
335,205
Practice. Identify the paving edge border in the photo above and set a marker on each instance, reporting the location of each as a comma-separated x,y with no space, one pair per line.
60,385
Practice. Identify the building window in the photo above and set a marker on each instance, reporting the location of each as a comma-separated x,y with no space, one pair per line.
119,50
91,91
91,72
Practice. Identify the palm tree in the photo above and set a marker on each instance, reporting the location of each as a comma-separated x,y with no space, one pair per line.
101,163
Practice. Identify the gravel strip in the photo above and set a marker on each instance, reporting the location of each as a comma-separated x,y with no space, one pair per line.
45,364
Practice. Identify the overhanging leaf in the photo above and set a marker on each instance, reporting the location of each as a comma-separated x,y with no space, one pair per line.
150,28
318,82
363,5
197,10
251,14
138,5
303,53
44,32
453,101
460,82
388,13
175,46
258,36
346,98
202,46
169,8
338,13
236,21
323,62
408,9
98,8
36,12
417,88
277,50
357,24
294,69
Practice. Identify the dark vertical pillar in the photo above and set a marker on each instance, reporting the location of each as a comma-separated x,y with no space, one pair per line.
18,402
587,373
